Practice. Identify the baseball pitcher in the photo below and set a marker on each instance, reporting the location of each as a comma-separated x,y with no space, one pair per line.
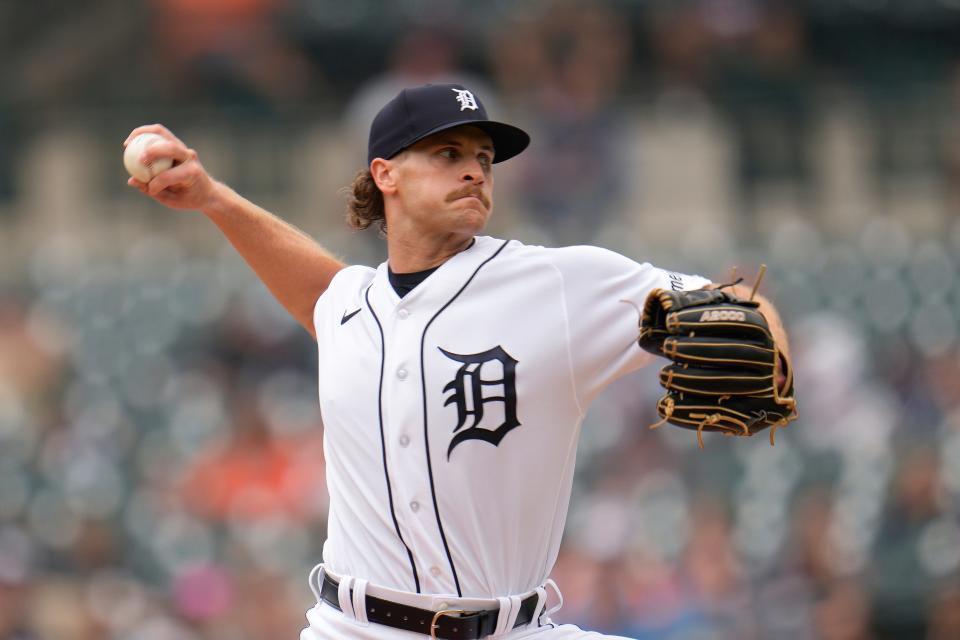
454,377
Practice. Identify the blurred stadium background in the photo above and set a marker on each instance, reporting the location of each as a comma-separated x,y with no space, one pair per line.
161,472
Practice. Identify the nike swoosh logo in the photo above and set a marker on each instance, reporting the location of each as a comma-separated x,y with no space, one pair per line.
347,316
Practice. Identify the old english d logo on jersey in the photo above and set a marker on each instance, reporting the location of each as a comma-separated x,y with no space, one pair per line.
467,394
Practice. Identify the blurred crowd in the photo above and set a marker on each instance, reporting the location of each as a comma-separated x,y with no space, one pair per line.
161,462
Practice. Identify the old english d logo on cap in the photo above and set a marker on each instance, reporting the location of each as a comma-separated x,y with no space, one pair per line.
466,99
418,112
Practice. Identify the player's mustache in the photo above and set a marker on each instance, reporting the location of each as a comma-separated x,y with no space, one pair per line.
463,192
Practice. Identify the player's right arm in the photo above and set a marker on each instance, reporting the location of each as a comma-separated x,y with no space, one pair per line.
293,266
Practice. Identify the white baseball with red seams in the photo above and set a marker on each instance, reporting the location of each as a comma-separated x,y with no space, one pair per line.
452,414
132,158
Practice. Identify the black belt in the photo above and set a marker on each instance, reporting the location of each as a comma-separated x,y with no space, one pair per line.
452,625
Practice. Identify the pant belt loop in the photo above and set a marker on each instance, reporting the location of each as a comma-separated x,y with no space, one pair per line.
343,594
541,604
509,610
360,601
553,585
315,579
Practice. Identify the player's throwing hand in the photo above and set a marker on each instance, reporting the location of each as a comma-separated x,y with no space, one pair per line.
186,185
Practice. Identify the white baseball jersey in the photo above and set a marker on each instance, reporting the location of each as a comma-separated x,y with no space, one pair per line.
452,415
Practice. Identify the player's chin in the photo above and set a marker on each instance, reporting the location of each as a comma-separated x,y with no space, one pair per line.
473,217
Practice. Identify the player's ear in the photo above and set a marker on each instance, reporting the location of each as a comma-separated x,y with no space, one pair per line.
384,175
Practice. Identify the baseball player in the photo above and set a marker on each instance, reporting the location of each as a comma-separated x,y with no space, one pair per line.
453,378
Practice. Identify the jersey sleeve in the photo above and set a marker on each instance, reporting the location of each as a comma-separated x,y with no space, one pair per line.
604,295
344,290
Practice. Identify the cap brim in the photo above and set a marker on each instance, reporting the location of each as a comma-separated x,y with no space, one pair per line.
508,140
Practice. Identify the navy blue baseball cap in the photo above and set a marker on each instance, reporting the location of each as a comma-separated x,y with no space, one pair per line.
421,111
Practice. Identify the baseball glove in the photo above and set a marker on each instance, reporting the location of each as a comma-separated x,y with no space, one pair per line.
725,363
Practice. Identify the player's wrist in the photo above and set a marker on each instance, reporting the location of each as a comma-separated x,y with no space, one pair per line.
220,201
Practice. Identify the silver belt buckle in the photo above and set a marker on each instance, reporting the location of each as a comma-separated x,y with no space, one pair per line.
439,614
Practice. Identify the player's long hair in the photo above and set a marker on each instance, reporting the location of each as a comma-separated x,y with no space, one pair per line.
365,203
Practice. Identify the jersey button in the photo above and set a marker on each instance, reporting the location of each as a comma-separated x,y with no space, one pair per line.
404,440
414,506
402,373
403,313
435,571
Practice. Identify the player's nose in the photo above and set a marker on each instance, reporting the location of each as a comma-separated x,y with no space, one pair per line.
473,172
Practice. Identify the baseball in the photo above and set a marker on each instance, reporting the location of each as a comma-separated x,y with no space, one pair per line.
131,158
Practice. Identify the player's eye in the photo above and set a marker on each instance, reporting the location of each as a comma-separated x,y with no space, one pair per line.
485,160
450,154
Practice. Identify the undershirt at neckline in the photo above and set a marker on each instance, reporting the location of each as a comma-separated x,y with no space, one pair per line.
404,283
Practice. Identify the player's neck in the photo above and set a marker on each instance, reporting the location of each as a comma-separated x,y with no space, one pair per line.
409,253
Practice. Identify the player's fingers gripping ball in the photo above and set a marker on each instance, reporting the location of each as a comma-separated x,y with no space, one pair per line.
723,375
132,158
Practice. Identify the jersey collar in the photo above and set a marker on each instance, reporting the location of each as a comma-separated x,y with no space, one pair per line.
440,286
